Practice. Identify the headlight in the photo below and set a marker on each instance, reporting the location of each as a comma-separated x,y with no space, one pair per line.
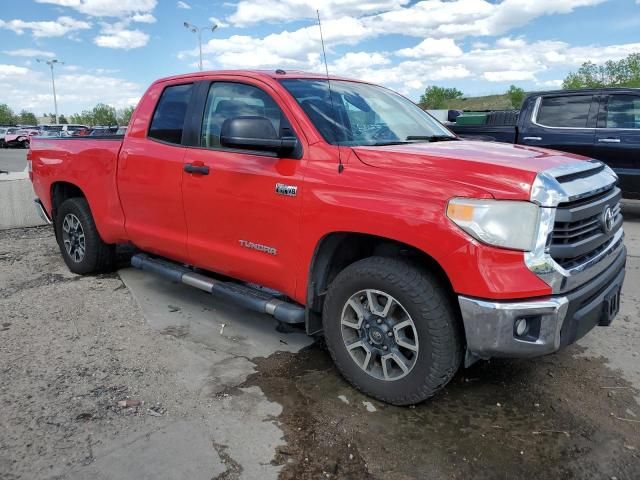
501,223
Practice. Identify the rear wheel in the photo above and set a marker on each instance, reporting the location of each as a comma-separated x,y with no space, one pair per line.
24,144
80,244
391,330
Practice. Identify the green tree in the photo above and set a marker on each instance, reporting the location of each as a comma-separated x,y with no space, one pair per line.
7,117
438,97
516,96
621,73
62,119
104,114
27,118
124,115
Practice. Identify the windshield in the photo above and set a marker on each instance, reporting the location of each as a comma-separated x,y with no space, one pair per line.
361,114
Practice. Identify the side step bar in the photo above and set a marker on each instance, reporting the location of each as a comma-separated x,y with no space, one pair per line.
248,297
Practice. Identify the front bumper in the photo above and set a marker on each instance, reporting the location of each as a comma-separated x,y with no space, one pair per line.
554,322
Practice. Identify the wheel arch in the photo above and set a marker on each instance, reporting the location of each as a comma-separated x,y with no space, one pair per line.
61,191
337,250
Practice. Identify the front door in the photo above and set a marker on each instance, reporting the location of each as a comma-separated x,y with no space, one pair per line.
242,207
618,140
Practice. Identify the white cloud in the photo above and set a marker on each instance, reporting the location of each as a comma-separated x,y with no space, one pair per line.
123,39
184,5
432,47
143,18
218,22
29,52
359,60
8,71
106,8
249,12
31,90
509,76
58,28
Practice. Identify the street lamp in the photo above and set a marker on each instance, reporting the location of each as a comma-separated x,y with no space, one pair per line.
198,30
51,63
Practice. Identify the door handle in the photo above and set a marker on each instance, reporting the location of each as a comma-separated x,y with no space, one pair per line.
199,169
609,140
537,139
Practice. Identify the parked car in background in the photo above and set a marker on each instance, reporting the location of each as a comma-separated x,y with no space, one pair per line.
49,134
598,123
66,129
3,132
20,138
103,131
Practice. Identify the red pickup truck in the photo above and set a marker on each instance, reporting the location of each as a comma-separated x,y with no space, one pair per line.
342,206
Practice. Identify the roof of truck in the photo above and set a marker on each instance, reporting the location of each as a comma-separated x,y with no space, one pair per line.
586,91
273,74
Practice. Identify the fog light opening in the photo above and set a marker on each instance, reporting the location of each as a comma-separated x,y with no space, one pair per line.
521,327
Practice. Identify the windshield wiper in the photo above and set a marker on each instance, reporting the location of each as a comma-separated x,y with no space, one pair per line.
431,138
390,142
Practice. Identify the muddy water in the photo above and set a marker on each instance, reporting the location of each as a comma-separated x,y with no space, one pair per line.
545,418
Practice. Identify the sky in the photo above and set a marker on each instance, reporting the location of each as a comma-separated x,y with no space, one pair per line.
113,49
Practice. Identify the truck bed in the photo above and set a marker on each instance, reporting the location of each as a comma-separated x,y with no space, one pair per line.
90,164
491,133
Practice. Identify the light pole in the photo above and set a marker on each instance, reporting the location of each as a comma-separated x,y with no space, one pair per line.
198,30
51,63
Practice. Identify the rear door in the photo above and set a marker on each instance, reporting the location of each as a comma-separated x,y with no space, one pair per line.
150,172
562,122
242,207
618,139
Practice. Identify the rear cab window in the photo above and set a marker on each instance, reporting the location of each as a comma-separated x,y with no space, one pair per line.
168,119
570,111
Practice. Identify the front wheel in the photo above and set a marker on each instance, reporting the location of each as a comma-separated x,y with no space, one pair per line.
80,244
391,330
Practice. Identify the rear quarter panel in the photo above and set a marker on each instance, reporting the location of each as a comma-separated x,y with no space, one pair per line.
89,164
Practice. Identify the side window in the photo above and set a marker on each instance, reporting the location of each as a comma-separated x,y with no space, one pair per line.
567,112
168,119
227,100
623,111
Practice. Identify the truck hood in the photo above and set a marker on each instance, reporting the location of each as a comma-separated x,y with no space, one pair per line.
503,170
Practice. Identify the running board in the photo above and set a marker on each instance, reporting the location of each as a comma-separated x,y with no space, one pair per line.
248,297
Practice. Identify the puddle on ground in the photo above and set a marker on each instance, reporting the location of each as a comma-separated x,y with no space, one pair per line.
554,417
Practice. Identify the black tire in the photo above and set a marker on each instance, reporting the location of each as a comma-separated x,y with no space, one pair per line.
98,256
436,322
24,144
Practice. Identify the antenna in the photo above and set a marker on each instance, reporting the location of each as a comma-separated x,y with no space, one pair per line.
333,108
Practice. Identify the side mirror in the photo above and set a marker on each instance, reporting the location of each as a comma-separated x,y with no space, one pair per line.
255,133
452,115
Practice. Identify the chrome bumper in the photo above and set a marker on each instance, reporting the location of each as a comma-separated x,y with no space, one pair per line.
553,322
42,212
489,326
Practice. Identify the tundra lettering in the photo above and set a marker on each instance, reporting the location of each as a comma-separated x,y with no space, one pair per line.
412,252
258,247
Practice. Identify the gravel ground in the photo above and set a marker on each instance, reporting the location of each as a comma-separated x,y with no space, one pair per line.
217,406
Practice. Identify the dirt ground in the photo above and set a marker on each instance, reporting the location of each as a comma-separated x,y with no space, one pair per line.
224,400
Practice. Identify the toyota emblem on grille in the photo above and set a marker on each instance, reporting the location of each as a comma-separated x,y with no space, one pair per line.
607,219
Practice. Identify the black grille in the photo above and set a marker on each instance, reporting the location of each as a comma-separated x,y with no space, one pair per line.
579,233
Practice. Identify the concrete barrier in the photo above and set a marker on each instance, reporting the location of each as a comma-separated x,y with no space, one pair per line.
17,209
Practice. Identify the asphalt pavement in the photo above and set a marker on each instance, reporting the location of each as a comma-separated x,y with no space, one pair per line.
13,159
